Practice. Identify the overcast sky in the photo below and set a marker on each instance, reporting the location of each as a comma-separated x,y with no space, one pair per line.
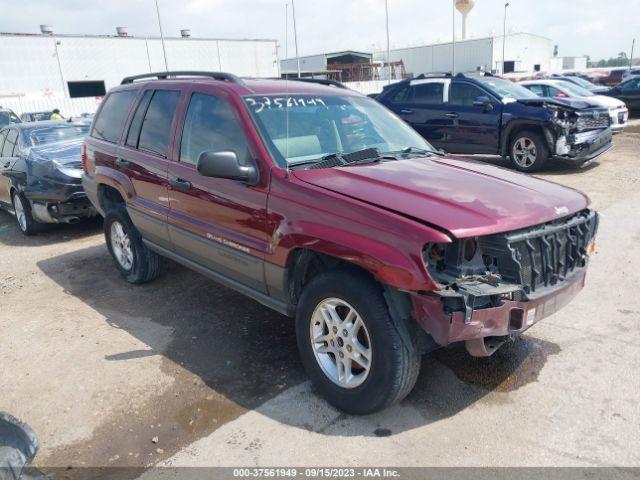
597,28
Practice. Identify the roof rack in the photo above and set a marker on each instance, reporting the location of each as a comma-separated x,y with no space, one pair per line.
222,76
321,81
432,75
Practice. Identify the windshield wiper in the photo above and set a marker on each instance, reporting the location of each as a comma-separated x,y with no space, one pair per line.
416,151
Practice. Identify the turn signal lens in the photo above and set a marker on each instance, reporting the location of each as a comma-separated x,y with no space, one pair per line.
592,248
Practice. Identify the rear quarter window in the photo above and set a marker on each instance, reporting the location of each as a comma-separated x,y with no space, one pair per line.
109,123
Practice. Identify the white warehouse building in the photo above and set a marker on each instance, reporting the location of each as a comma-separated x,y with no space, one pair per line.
524,52
72,72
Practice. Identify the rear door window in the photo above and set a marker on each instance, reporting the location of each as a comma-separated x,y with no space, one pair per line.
134,130
156,126
400,96
431,93
10,143
109,124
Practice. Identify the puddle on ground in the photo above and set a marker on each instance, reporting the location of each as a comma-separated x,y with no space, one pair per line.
514,365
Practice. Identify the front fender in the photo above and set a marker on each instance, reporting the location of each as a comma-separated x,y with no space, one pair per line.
397,264
514,125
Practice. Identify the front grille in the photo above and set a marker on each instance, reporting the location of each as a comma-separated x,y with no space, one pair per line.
594,120
544,256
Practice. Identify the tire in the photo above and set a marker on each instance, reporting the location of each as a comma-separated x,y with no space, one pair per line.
528,151
135,261
24,218
394,358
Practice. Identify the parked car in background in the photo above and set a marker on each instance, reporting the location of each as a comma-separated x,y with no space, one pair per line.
321,204
630,73
35,116
628,92
614,77
560,89
490,115
40,174
581,82
8,117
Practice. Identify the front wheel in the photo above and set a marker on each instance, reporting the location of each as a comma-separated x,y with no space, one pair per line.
357,357
528,151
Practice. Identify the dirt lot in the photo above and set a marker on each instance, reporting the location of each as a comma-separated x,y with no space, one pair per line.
187,372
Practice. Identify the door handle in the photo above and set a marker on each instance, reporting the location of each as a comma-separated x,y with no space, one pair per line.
406,111
180,183
122,163
451,115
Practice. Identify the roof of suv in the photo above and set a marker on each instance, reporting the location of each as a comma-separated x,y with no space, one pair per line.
243,86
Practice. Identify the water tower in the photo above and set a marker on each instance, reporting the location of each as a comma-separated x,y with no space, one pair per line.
464,7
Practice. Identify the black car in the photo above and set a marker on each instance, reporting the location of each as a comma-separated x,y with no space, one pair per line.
629,92
41,172
489,115
35,116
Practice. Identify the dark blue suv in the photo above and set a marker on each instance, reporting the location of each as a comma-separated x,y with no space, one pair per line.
490,115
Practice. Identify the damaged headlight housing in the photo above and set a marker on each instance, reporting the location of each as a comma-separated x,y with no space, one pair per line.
463,258
563,118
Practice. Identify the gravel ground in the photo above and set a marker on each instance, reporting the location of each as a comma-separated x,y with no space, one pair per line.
186,372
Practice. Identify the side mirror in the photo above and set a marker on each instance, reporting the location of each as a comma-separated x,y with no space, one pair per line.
484,102
225,164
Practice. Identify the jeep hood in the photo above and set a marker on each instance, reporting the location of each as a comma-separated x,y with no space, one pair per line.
463,197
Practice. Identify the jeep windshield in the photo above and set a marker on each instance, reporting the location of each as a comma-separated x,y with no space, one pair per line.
506,89
300,129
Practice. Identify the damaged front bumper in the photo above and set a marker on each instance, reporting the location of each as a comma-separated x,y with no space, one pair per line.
499,285
584,147
509,317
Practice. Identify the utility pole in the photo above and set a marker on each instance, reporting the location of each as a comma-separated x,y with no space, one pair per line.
453,43
386,9
633,44
504,35
164,51
295,35
286,30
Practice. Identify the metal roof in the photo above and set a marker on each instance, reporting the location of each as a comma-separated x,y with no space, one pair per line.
132,37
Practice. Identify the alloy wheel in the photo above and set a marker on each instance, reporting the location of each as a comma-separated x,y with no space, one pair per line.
19,209
121,246
341,342
524,152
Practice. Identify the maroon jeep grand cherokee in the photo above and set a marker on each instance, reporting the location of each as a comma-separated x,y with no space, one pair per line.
321,204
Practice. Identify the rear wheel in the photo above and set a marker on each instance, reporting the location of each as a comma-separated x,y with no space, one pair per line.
358,357
24,218
135,261
528,151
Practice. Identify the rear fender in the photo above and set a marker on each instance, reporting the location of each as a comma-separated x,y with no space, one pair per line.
115,179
